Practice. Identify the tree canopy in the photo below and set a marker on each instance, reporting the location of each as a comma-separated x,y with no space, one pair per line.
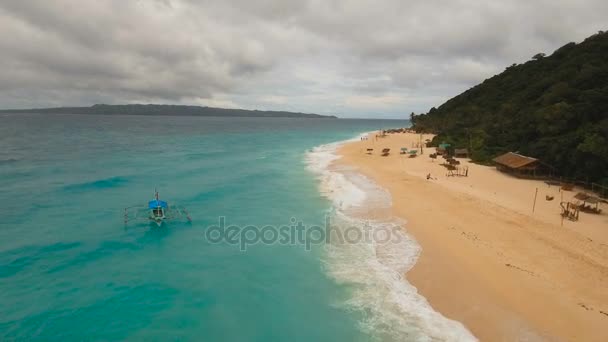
554,108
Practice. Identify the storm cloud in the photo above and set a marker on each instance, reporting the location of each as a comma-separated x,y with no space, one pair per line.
351,58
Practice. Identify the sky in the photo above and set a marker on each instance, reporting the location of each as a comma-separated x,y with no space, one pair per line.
357,58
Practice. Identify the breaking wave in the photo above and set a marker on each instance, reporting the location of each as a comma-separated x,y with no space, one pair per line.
391,308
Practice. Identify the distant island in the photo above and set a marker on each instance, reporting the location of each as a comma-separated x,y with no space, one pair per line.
169,110
553,108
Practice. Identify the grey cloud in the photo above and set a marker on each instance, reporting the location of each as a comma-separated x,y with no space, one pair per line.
356,58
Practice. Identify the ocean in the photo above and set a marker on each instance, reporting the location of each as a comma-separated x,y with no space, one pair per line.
257,262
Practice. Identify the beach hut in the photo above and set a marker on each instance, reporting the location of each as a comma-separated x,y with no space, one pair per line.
586,198
461,153
443,148
518,165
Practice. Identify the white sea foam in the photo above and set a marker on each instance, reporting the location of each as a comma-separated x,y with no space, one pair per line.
391,308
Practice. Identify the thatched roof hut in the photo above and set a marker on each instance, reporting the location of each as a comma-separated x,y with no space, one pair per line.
517,164
515,161
461,153
442,148
586,198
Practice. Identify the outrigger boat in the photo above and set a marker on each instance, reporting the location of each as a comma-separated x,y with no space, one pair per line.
158,211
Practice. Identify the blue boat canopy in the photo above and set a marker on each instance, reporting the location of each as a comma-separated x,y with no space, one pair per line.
157,203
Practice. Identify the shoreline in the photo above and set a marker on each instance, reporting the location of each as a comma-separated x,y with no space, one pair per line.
512,274
373,270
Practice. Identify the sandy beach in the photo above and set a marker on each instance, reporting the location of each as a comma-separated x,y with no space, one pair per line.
507,273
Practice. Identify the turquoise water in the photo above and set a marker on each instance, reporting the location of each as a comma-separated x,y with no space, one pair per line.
71,270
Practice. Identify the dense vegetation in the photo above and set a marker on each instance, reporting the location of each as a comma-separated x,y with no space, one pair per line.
152,109
554,108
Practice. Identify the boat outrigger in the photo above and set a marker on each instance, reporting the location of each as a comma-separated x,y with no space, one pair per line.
158,211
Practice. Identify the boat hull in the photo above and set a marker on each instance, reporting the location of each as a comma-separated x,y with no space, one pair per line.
158,220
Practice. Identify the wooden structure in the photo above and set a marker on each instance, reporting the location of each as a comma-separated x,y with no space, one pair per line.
567,186
459,171
519,165
569,211
585,198
461,153
442,149
385,152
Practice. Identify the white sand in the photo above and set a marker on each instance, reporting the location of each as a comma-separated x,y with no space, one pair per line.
489,261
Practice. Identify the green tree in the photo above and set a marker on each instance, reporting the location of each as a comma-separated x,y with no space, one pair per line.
554,108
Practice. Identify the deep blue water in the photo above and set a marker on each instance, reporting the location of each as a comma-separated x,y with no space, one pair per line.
71,270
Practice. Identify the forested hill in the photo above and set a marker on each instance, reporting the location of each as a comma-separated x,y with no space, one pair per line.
153,109
554,108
